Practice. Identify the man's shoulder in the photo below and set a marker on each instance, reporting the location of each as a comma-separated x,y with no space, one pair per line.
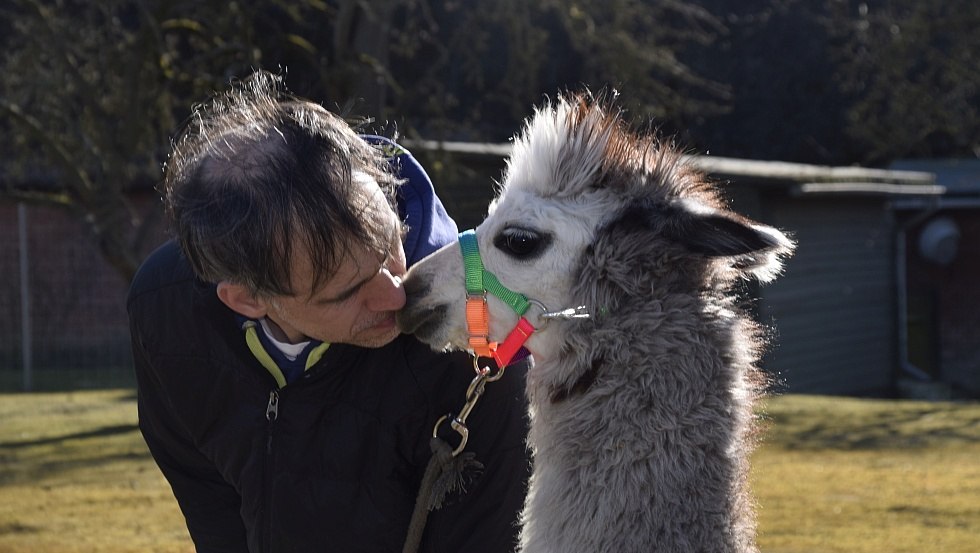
162,270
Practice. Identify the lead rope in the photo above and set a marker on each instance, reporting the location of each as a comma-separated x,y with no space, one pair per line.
444,473
440,464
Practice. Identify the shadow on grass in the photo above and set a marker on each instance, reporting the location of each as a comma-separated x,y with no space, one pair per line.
102,432
38,472
129,397
869,426
18,528
38,458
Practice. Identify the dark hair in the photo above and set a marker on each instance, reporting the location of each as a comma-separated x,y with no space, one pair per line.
255,172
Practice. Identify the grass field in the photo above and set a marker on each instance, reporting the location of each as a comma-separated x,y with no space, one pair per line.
832,475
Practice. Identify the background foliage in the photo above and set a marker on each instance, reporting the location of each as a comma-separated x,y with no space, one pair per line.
92,91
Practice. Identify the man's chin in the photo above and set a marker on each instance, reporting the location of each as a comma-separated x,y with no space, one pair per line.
376,339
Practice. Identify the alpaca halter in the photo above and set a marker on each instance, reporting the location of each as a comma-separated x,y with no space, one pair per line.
479,282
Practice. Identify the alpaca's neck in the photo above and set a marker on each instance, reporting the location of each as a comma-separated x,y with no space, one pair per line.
650,456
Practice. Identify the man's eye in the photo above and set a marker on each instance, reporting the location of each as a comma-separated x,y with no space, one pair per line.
521,243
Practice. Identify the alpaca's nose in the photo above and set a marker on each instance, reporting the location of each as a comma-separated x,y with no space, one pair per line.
415,287
412,315
418,317
423,322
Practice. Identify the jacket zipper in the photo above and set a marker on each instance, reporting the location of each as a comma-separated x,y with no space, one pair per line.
271,415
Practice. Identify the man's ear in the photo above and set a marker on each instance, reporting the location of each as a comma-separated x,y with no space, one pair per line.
241,300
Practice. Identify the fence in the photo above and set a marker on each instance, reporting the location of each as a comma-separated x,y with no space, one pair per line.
62,308
63,323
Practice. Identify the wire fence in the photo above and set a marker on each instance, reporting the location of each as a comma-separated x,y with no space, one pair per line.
63,319
63,323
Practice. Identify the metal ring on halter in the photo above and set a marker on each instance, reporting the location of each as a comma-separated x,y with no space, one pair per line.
542,307
485,371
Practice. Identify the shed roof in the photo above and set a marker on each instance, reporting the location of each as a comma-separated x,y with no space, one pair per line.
958,176
799,178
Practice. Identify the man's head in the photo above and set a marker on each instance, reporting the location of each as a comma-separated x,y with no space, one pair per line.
292,214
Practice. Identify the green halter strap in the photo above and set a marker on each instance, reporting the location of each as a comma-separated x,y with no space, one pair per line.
480,281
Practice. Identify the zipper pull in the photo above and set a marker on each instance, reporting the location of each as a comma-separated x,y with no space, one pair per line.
272,410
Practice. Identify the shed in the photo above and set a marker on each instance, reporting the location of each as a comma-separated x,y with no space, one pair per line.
941,237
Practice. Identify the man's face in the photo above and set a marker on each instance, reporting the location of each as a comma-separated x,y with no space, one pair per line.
358,304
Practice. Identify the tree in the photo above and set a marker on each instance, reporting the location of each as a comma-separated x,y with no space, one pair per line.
909,70
474,69
89,95
842,81
92,91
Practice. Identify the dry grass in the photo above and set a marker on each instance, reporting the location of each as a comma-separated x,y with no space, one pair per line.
833,475
869,476
75,476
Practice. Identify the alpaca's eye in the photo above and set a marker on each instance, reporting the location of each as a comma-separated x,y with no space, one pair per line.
520,242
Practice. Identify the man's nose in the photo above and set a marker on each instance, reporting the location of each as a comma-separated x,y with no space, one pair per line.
386,293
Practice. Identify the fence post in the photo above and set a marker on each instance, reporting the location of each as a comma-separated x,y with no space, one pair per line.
27,353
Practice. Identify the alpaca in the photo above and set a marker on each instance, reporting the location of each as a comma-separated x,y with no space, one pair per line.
641,413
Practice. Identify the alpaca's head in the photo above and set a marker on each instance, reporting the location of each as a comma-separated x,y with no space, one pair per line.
582,191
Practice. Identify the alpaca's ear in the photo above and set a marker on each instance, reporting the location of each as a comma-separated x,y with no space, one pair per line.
715,233
758,248
755,248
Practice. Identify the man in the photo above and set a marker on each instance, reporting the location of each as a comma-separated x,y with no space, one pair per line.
275,392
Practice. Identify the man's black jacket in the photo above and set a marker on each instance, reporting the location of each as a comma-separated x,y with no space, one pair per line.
331,462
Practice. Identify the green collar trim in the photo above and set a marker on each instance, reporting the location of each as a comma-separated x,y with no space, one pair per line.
255,346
